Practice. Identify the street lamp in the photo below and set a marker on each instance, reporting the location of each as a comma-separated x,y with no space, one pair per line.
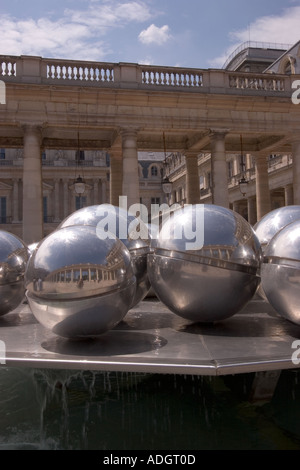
243,183
79,184
166,183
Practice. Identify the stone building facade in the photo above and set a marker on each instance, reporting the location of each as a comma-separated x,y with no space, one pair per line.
194,118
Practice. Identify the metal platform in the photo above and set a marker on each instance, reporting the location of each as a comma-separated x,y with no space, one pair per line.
153,339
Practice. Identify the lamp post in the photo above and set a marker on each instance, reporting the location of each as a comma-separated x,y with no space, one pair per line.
79,184
166,183
243,183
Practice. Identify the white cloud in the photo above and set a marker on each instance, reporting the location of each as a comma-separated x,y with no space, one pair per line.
76,35
274,29
155,35
147,61
110,15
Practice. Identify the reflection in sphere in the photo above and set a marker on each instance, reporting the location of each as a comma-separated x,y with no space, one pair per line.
280,272
79,285
274,221
270,225
131,230
13,259
205,263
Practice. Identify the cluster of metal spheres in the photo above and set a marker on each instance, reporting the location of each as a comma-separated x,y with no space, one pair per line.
204,262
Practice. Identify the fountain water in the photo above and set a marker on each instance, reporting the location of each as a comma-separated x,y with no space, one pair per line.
59,409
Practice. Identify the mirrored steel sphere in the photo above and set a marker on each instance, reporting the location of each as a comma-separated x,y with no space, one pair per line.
14,255
280,272
79,285
205,263
274,221
131,230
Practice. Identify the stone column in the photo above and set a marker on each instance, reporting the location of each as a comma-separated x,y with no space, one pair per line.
192,179
66,198
103,191
130,187
56,200
219,170
296,171
96,192
116,175
236,206
251,210
288,195
32,185
15,211
263,198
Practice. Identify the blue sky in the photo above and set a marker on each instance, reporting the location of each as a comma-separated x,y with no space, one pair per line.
187,33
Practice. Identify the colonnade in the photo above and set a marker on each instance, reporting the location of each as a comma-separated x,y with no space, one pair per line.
124,177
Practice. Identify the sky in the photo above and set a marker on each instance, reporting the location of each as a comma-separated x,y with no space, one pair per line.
182,33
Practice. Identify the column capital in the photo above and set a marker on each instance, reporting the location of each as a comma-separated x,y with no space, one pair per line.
218,133
191,153
260,156
129,131
35,129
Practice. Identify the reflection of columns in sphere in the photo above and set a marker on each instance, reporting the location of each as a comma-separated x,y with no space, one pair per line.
79,285
280,272
212,282
125,224
14,256
271,224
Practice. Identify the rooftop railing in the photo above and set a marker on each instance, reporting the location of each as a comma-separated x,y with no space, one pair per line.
37,70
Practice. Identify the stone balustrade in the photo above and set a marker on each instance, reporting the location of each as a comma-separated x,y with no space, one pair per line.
87,72
172,77
28,69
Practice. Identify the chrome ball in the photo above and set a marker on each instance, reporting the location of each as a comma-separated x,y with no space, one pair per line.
274,221
270,225
131,230
205,262
280,272
14,255
79,285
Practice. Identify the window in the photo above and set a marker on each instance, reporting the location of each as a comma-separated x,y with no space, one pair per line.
3,210
155,200
45,209
80,155
154,171
2,154
201,182
208,180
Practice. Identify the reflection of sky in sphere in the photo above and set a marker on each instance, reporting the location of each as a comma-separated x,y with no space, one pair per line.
111,218
274,221
73,245
220,227
286,243
11,246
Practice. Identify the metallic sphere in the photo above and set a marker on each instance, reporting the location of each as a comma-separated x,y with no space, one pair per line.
274,221
270,225
280,272
205,262
132,231
79,285
14,255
